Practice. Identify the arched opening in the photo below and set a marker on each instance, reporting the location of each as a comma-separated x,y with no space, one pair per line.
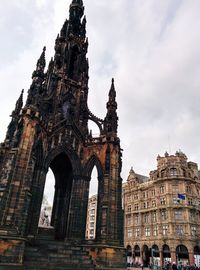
47,201
62,172
93,129
197,256
155,255
145,255
182,254
166,254
129,255
92,206
137,260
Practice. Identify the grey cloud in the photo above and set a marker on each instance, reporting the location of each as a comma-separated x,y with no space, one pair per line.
150,47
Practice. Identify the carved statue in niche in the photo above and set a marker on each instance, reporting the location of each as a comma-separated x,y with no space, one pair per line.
68,105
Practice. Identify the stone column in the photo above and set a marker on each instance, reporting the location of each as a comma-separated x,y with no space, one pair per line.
173,256
191,258
161,258
78,208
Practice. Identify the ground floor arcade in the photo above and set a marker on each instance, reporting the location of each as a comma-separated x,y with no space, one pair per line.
161,255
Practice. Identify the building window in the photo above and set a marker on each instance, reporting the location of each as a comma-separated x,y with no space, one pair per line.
162,200
91,224
129,198
175,188
147,231
155,230
129,233
193,230
145,205
192,215
153,192
136,207
153,203
174,200
190,201
178,214
188,189
91,231
136,219
129,208
154,217
128,220
163,214
136,196
137,232
92,211
173,171
179,230
162,189
164,229
146,218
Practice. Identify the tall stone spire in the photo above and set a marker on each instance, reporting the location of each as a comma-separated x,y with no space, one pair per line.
111,119
15,117
38,78
18,105
76,12
41,63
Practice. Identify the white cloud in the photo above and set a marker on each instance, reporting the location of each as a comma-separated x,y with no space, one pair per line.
150,47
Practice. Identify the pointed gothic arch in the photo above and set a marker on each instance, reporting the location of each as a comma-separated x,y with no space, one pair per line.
67,149
93,161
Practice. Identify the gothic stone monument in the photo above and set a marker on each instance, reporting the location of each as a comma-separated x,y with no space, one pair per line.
51,131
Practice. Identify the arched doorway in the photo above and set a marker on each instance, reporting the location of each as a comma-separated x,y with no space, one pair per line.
137,255
166,254
62,171
155,255
129,255
182,254
145,256
197,256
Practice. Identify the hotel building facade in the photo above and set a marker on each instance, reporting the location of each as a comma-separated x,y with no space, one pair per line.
91,218
162,213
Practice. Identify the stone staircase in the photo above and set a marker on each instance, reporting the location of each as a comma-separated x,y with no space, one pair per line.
43,254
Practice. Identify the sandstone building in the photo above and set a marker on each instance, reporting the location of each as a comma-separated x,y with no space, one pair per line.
91,217
51,131
162,213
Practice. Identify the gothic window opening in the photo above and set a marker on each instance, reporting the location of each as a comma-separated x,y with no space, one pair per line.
59,194
92,206
93,129
47,201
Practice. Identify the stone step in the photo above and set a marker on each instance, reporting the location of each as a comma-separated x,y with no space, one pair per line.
46,254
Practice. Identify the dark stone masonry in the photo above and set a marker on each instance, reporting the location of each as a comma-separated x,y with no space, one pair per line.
51,131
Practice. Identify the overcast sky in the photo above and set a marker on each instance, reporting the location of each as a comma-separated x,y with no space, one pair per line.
150,47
